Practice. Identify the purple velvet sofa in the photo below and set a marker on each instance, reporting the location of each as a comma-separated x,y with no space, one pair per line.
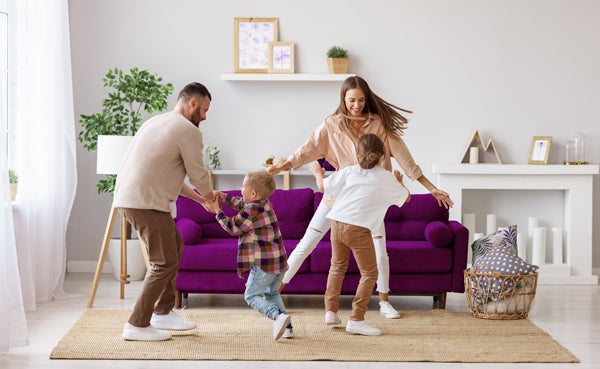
428,253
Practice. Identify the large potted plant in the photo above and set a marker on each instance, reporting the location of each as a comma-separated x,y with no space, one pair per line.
337,60
132,97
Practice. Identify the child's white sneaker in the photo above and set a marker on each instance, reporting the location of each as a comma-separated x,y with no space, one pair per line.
288,333
332,318
386,309
361,327
280,324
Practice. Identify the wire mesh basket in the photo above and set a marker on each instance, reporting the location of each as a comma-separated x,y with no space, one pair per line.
492,295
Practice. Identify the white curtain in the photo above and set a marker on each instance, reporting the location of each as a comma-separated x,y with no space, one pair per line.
43,110
12,313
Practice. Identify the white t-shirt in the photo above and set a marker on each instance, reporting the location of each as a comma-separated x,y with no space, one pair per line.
362,196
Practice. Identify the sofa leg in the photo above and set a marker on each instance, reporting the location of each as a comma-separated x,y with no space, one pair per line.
440,300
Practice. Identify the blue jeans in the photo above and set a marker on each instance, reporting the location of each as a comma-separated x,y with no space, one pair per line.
262,293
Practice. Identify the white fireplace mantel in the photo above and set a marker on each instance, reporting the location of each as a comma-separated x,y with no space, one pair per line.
575,180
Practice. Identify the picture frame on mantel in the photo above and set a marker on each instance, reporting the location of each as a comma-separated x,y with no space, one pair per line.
540,149
281,57
251,43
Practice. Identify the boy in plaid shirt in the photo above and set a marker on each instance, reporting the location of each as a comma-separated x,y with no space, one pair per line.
260,247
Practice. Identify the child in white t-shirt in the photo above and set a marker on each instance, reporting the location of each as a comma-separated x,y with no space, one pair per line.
361,195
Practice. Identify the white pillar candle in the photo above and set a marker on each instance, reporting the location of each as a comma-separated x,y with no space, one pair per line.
538,254
490,224
468,220
473,155
557,251
532,222
522,246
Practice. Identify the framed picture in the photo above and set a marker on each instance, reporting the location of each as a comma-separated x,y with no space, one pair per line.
540,149
281,57
251,43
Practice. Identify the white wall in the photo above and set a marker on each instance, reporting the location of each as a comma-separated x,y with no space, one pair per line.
511,69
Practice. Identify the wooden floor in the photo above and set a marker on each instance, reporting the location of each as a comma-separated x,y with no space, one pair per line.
570,314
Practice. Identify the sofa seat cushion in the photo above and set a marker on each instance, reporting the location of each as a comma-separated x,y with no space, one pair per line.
220,254
405,257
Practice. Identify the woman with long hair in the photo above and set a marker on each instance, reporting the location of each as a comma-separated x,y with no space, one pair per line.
360,111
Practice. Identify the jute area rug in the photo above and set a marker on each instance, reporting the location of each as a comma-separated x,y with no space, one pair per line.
243,334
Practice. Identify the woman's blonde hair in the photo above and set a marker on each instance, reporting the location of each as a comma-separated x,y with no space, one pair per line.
262,182
391,118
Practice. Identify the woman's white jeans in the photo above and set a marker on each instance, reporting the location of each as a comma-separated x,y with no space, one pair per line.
318,226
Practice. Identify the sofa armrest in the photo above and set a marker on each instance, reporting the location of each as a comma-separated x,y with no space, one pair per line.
460,251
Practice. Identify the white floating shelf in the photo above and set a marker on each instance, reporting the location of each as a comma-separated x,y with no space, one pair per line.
315,77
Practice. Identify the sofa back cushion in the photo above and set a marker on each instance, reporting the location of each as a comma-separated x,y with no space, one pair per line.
294,209
409,221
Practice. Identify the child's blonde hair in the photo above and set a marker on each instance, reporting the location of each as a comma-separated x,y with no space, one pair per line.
262,182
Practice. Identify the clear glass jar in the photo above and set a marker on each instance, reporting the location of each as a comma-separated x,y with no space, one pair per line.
570,157
580,151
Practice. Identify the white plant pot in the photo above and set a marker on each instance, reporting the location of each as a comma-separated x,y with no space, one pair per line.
136,266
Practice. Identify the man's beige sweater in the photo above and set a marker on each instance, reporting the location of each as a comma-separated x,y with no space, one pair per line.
165,149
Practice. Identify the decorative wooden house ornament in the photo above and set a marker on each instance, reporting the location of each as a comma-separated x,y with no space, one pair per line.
477,152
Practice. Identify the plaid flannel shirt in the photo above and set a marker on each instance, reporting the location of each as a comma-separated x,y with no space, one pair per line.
260,242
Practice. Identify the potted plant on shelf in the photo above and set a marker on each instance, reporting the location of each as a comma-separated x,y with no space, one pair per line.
132,95
14,182
337,60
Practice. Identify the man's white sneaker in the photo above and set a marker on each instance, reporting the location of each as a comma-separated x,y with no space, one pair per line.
288,333
171,321
385,308
332,318
361,327
280,324
148,333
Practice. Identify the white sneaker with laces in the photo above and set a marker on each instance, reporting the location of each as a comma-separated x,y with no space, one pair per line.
280,324
332,318
361,327
149,333
172,322
385,308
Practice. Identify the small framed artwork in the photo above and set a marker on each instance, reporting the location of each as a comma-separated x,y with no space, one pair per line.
251,43
540,149
281,57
